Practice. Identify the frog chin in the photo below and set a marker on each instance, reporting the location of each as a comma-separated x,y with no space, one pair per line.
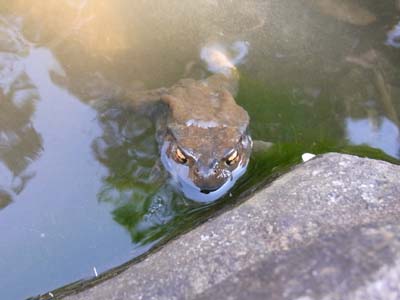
180,177
194,193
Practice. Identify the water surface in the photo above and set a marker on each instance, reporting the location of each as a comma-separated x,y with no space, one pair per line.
80,192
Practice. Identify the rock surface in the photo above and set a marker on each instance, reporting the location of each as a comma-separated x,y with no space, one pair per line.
329,229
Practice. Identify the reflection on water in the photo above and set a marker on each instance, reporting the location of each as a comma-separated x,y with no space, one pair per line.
381,133
20,143
80,181
393,36
128,149
47,168
145,203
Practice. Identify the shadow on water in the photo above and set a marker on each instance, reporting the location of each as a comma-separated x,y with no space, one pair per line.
82,171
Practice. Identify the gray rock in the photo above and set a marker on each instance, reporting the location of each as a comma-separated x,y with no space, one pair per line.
329,229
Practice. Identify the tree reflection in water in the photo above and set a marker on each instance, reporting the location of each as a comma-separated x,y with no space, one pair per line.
146,205
20,143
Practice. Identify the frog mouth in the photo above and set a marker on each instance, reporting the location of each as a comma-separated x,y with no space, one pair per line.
207,191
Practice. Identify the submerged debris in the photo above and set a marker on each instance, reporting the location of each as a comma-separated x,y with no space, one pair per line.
218,58
344,11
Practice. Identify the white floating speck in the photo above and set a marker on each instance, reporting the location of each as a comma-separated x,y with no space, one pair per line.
51,295
95,272
307,156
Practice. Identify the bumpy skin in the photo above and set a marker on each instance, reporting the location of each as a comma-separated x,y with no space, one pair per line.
202,133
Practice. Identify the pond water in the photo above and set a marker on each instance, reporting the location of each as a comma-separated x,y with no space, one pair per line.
79,193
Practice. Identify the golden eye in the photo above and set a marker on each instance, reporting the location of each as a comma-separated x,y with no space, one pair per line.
180,157
233,158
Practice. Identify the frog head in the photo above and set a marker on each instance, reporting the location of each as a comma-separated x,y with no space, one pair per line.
205,162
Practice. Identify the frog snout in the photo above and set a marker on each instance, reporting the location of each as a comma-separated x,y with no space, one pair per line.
208,178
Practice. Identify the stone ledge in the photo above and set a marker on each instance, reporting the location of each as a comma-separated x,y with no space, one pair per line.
329,229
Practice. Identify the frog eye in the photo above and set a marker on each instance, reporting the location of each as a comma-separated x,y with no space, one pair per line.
180,157
232,158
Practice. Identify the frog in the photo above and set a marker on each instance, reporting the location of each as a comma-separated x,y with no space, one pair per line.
202,133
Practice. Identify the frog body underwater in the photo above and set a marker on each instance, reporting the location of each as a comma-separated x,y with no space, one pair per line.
201,131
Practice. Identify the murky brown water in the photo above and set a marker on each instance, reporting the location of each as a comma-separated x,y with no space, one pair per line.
78,193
